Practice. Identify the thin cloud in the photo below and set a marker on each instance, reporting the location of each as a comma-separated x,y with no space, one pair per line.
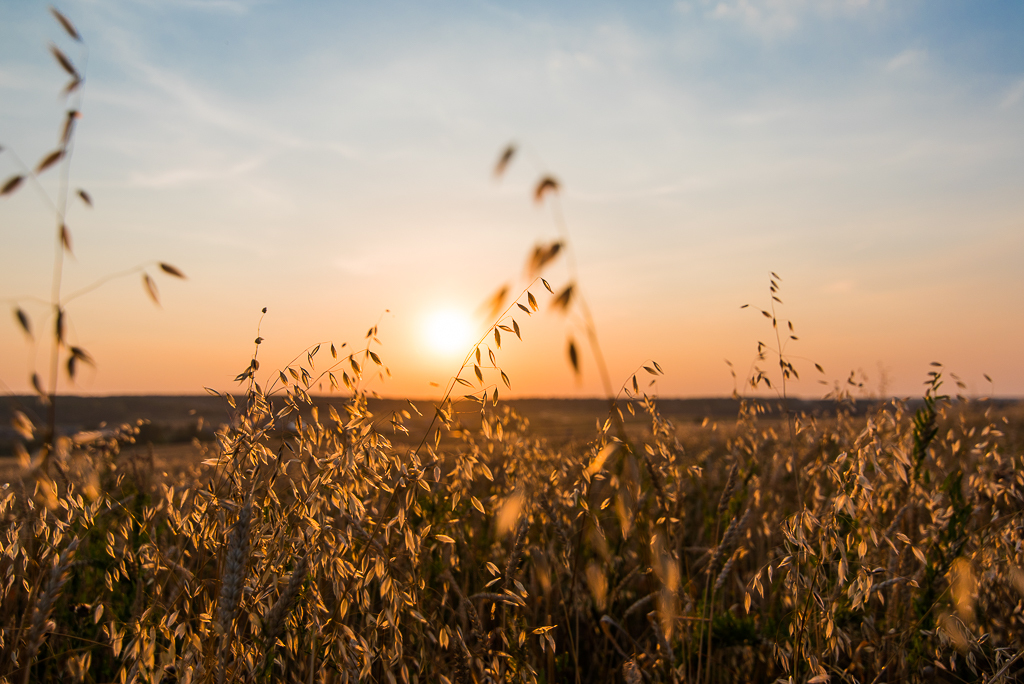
202,106
191,176
762,18
774,18
238,7
908,59
1014,94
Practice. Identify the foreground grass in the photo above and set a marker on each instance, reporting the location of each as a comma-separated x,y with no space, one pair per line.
860,549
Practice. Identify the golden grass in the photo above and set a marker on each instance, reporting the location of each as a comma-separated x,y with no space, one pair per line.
336,557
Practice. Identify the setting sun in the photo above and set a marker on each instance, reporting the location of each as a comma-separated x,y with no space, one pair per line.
448,331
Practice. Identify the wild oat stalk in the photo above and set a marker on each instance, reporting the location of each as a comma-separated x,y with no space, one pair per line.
44,606
232,577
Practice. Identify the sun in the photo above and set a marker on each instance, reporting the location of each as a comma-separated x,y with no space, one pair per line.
448,332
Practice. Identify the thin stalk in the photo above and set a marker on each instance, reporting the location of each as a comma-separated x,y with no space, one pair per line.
588,318
60,209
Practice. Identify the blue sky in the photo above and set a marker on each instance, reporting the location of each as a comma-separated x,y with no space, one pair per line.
332,161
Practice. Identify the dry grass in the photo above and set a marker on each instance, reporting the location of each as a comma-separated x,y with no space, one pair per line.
859,549
497,557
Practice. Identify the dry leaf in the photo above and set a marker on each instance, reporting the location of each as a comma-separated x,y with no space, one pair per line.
151,290
564,298
69,126
68,26
494,304
545,185
23,321
22,425
82,355
171,270
602,456
542,254
574,358
37,385
49,160
503,161
65,63
11,185
65,238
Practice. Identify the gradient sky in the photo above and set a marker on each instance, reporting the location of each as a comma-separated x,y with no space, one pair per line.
332,162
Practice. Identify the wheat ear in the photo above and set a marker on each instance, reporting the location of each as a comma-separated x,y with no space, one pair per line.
274,624
517,549
41,613
231,580
729,489
724,575
731,532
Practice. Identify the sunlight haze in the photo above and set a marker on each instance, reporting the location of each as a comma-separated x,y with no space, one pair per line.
334,162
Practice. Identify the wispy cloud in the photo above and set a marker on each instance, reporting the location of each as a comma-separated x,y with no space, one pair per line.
910,58
221,6
204,107
194,175
1014,94
774,18
155,90
764,18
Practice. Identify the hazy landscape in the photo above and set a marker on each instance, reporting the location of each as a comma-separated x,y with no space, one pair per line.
566,455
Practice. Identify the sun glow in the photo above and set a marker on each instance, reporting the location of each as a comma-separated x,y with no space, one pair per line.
448,332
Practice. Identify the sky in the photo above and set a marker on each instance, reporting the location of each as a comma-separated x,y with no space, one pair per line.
333,162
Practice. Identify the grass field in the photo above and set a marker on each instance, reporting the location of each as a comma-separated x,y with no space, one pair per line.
855,543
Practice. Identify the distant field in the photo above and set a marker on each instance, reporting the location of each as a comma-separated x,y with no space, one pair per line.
177,419
171,424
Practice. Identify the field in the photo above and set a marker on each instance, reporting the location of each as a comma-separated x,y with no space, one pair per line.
838,541
272,534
